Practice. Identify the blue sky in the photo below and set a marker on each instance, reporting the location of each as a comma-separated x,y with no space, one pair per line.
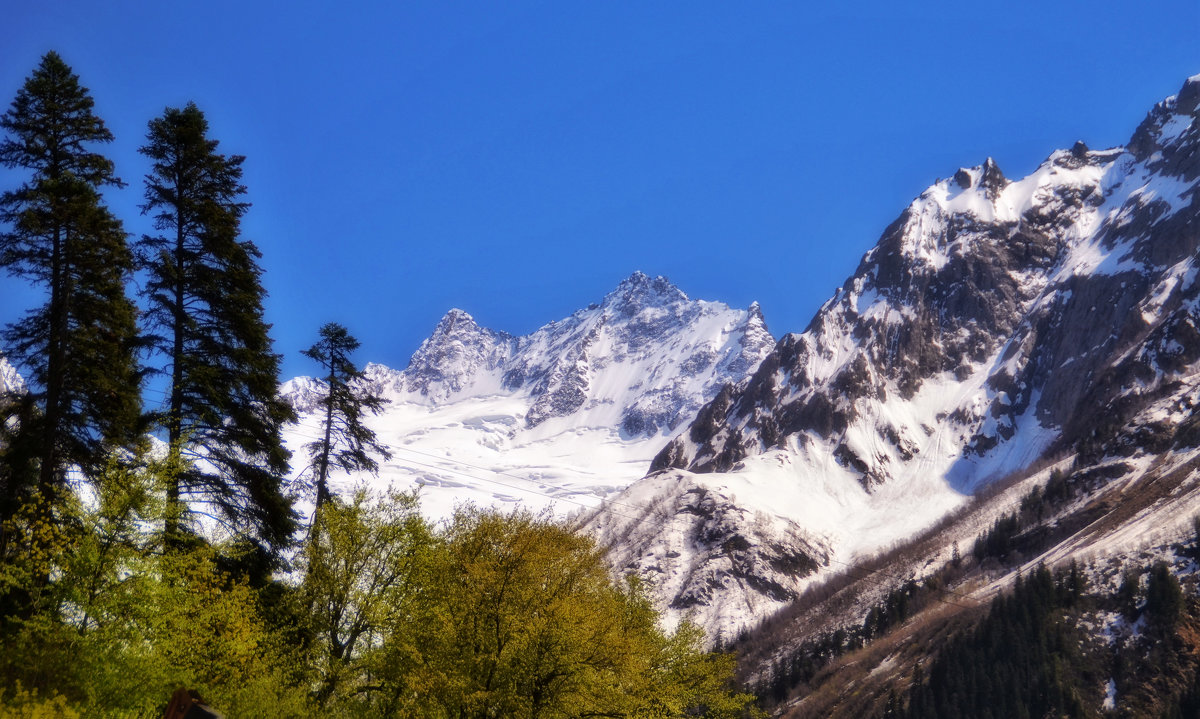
518,159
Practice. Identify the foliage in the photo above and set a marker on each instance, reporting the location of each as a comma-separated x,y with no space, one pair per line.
122,624
801,662
493,615
496,615
998,541
205,314
23,704
346,443
366,563
1164,598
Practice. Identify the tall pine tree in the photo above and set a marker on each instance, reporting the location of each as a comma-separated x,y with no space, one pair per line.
77,348
223,415
346,443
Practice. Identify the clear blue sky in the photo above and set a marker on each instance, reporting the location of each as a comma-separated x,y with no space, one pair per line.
518,159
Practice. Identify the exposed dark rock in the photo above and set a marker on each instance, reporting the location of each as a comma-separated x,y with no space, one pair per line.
993,181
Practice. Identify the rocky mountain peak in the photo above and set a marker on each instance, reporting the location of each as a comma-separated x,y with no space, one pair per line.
1188,99
755,314
642,361
1168,138
456,322
986,178
639,291
447,363
992,180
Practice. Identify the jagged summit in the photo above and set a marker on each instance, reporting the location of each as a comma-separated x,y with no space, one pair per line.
986,178
756,319
642,360
453,318
1188,98
1166,139
638,292
959,273
448,361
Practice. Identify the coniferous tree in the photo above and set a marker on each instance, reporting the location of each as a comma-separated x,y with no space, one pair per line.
346,443
223,415
78,348
1164,598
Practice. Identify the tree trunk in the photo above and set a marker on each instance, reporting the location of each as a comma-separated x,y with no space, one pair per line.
323,463
174,506
55,363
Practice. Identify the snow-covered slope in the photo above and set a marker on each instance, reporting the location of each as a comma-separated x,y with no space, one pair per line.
559,418
996,323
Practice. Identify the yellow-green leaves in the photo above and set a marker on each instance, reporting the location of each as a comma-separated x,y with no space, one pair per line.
384,615
365,565
495,615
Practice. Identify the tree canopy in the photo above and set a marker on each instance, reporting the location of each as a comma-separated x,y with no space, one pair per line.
495,615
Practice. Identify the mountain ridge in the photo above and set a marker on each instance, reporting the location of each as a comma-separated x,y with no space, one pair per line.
995,324
577,407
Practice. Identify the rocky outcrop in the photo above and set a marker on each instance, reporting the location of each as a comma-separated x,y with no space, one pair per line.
716,547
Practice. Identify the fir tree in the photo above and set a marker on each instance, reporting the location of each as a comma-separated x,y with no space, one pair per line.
78,348
1164,598
223,416
346,443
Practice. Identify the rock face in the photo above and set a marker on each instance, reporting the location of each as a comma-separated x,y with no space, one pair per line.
697,546
996,323
645,359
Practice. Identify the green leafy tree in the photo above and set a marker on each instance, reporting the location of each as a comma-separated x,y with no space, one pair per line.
366,564
520,617
78,348
223,415
346,443
126,623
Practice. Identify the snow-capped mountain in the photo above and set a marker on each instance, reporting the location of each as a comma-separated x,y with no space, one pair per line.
560,417
995,324
10,380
